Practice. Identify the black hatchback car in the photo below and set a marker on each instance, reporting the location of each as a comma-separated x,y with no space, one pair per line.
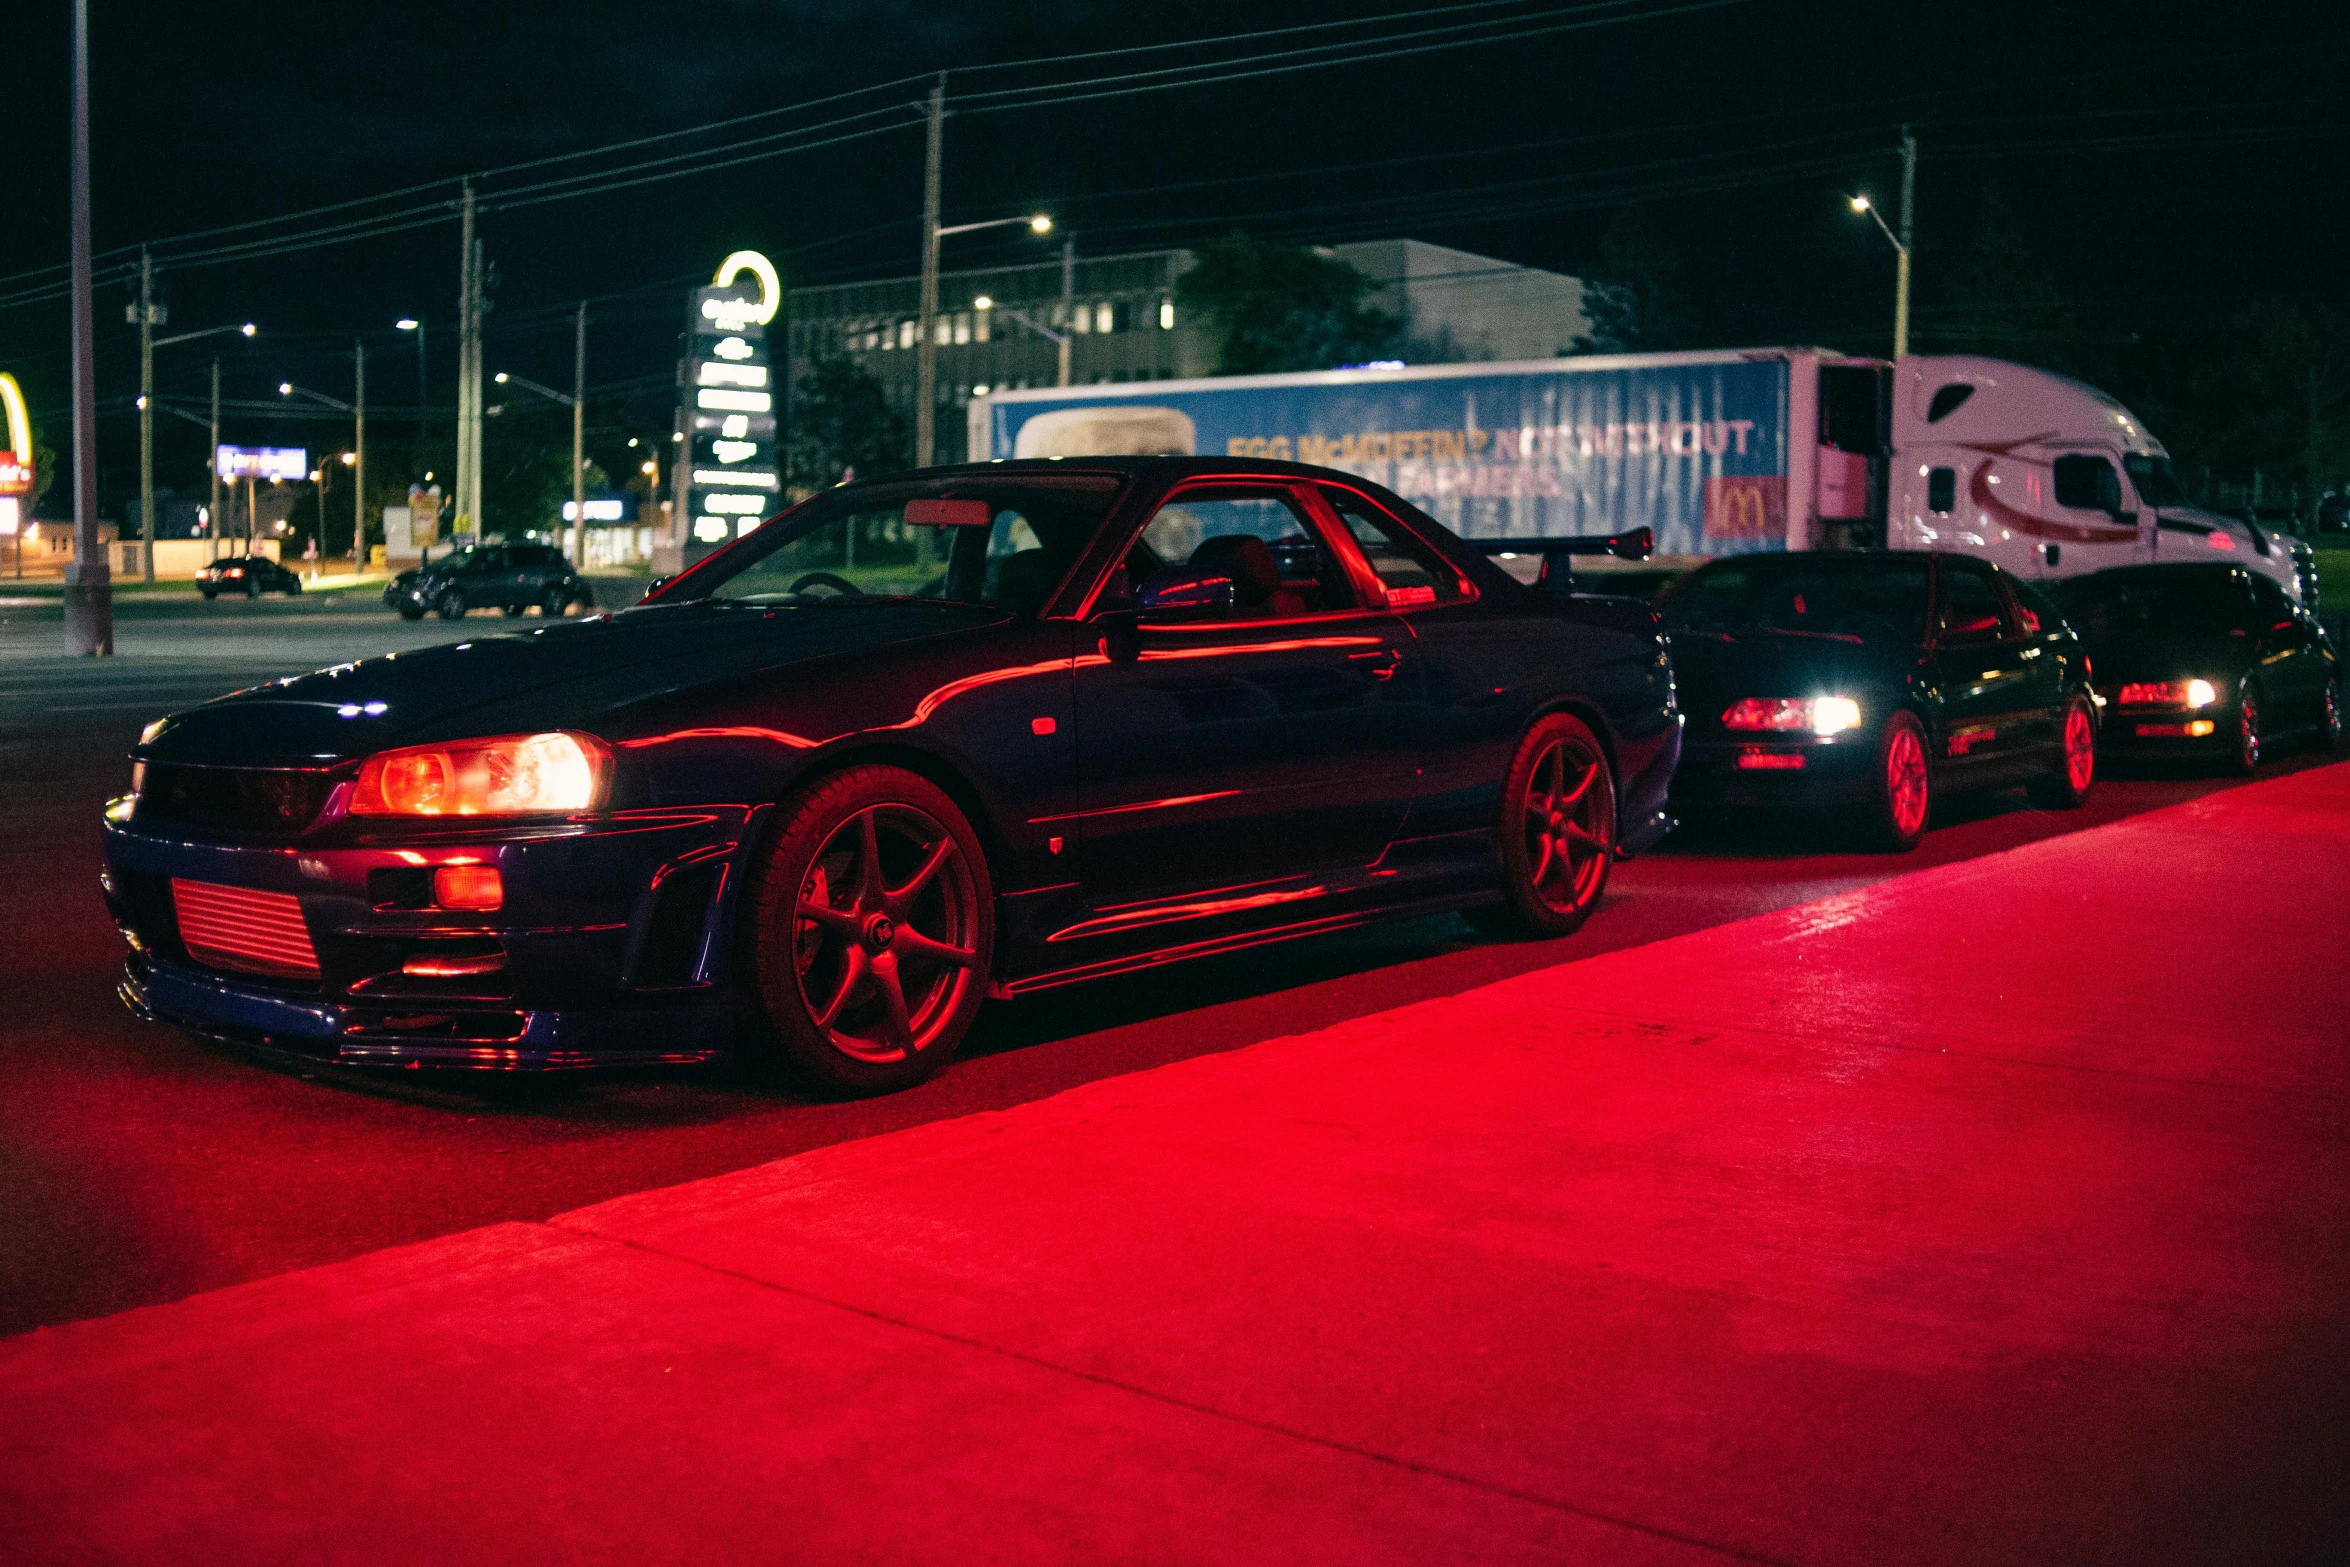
970,732
2210,661
250,575
1871,682
511,577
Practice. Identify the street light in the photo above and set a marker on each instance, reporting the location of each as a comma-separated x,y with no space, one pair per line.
1900,242
925,344
578,408
416,324
358,412
1059,339
149,315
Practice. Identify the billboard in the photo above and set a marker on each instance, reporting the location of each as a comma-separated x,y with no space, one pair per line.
727,407
1696,450
262,462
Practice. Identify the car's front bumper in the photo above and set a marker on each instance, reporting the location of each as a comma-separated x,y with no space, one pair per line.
611,942
1777,771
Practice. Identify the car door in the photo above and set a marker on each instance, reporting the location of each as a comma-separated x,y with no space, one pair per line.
2091,526
2040,635
1229,748
1980,668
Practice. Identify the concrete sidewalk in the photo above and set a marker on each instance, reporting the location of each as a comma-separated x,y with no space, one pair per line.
1996,1213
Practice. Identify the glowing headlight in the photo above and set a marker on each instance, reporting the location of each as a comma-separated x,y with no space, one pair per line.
2200,694
1822,715
513,775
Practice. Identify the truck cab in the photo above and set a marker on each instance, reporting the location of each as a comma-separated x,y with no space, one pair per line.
2046,477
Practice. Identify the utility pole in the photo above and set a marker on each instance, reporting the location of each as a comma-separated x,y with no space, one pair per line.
579,442
1909,191
358,461
89,586
1068,301
146,415
925,341
468,394
473,440
212,518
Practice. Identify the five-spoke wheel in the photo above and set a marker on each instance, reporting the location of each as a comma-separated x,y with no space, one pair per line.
1557,829
872,926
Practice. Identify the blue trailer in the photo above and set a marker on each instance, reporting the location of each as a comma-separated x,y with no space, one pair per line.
1721,453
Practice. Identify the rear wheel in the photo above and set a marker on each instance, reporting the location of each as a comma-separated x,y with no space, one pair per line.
554,601
294,588
871,919
2066,787
2246,757
2329,721
210,594
1557,831
451,604
1905,784
252,586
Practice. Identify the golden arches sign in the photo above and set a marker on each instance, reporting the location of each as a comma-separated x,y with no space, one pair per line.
770,286
16,464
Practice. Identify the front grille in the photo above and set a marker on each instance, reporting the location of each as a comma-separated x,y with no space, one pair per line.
241,929
241,799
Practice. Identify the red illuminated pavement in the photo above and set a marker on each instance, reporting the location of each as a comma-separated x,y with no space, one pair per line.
1995,1213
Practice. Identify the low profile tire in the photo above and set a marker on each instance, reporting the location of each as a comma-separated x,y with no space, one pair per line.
451,605
2244,760
1904,801
412,612
870,921
1557,832
2067,787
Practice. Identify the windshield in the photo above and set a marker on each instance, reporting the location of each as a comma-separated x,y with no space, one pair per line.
856,545
2118,603
2157,485
1858,599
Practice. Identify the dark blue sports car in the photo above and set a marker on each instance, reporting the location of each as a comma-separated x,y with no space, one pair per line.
971,732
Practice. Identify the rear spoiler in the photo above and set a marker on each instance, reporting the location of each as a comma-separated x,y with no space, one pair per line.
1557,572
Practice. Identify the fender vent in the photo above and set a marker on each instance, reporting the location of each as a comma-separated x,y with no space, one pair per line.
672,952
241,929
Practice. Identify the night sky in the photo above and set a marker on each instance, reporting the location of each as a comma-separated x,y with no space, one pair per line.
2157,156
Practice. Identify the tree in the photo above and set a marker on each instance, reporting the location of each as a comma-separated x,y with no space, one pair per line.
841,423
1637,296
1275,307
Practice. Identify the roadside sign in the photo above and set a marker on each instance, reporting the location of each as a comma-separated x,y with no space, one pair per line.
262,462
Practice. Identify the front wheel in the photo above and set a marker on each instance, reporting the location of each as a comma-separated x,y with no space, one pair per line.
2245,758
294,588
554,601
870,916
2067,786
2329,720
1557,831
451,605
411,611
252,586
1905,784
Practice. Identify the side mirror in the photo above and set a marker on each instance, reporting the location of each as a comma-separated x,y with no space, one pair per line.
658,583
1184,588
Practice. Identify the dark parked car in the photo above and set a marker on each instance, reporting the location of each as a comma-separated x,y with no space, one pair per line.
1872,682
2204,660
977,731
511,577
250,575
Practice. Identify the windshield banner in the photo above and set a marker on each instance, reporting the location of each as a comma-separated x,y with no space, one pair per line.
1698,452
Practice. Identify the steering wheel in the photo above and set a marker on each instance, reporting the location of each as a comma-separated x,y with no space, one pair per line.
825,579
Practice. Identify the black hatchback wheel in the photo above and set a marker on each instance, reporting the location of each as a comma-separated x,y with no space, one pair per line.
871,922
2246,757
1557,831
2066,786
2329,721
1905,784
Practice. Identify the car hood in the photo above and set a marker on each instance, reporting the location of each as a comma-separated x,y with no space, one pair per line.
598,675
1711,671
2180,653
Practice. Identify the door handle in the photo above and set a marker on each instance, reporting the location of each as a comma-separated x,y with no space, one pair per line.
1379,662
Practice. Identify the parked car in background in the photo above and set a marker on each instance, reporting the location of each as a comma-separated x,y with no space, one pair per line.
974,731
2204,660
250,575
511,577
1871,683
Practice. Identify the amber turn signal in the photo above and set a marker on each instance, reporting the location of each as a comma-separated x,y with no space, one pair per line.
468,887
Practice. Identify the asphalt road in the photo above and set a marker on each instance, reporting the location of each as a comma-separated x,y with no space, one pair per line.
138,1166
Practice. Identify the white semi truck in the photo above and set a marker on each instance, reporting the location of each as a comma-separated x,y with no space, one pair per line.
1720,452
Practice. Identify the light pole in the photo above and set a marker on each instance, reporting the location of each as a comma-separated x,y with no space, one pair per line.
578,453
318,476
150,315
1060,339
358,413
89,587
1900,242
925,342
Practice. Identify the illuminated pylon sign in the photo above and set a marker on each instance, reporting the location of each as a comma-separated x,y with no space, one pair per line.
727,405
16,463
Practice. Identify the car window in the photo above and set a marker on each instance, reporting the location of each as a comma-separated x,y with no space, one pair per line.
857,542
2039,610
1410,571
528,554
2116,603
1853,598
1971,611
1278,560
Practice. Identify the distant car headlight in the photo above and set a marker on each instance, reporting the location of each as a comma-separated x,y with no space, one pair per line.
513,775
1821,715
2168,693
